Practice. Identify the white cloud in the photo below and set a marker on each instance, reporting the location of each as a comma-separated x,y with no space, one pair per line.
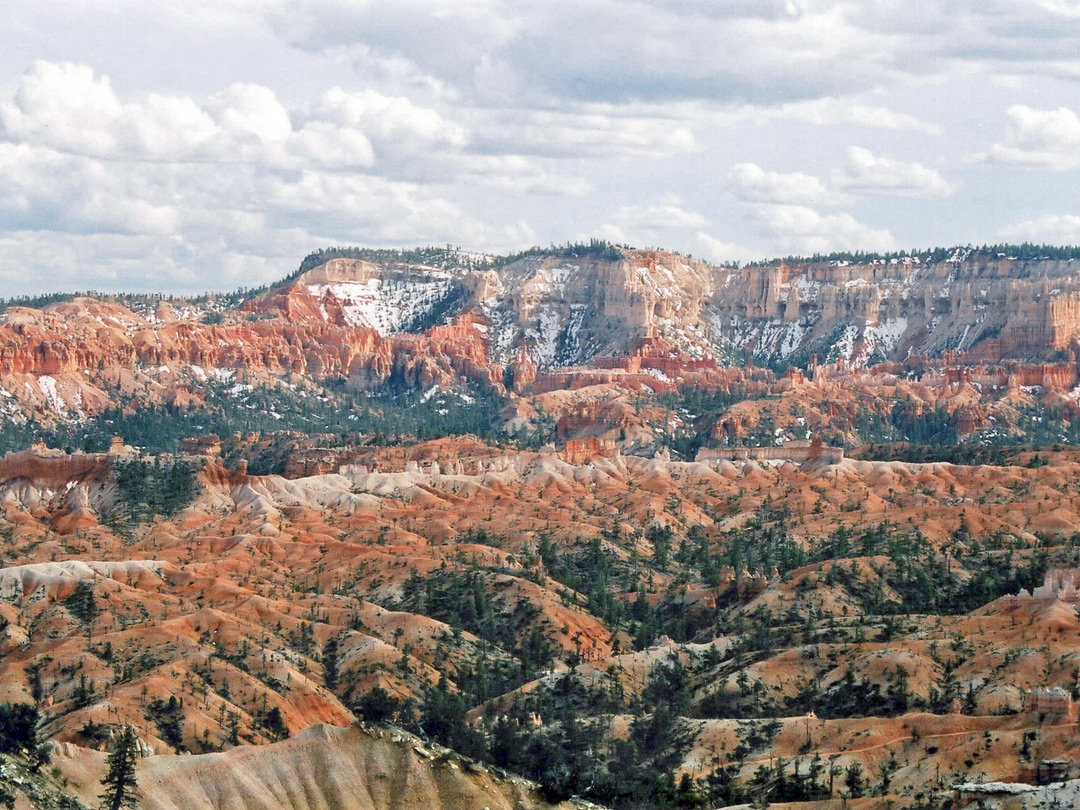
44,188
238,177
68,108
668,224
594,131
479,120
1066,8
798,229
718,251
251,111
830,112
1060,229
500,52
784,205
751,183
551,54
394,124
867,173
321,143
64,106
1046,138
35,260
497,51
519,176
166,126
503,52
657,217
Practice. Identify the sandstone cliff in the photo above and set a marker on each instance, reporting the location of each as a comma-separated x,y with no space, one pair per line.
988,307
647,321
566,311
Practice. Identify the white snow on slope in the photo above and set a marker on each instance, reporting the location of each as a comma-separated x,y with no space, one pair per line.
385,305
52,396
883,338
545,338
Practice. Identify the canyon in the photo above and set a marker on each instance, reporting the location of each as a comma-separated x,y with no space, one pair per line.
231,603
641,319
639,529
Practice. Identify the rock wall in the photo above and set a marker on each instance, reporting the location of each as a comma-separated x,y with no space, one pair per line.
53,468
566,311
649,321
797,452
581,451
987,308
61,361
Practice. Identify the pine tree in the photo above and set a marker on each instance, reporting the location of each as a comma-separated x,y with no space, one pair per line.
121,789
232,729
274,723
82,604
330,664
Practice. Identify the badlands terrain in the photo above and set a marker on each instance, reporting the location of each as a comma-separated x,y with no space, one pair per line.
408,527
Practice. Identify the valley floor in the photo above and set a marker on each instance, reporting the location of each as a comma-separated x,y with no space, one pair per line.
633,631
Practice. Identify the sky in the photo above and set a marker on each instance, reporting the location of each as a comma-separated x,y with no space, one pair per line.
182,146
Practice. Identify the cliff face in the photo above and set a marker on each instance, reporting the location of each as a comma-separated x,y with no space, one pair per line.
986,308
53,469
386,298
86,356
564,311
567,311
558,310
646,319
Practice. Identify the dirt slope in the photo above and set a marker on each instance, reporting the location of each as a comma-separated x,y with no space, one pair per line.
324,768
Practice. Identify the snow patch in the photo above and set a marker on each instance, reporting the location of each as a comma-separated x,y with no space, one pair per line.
47,385
845,346
224,374
384,304
885,337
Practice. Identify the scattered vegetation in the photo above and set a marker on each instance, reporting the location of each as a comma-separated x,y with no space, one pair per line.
151,489
19,724
1026,251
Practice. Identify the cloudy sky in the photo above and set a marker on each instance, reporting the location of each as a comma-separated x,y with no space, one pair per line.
184,145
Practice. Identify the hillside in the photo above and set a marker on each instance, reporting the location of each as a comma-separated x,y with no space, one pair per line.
531,509
324,767
328,768
461,575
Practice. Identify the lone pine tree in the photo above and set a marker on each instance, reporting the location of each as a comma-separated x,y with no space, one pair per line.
121,788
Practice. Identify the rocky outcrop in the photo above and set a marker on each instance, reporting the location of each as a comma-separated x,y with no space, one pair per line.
388,298
356,354
565,310
54,469
795,452
987,307
581,451
81,358
645,321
